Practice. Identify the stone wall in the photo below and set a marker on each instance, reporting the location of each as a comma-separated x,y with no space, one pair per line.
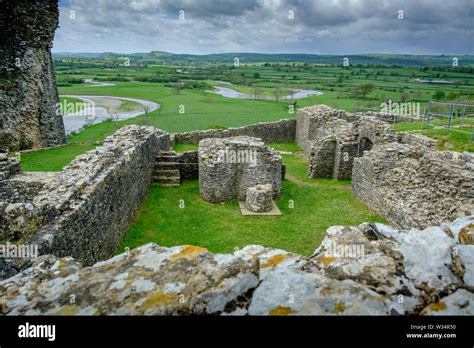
322,153
419,140
415,186
318,121
282,131
85,210
188,165
9,165
229,166
28,94
322,130
365,270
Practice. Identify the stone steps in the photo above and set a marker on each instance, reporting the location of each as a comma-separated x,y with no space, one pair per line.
167,181
166,171
171,173
166,166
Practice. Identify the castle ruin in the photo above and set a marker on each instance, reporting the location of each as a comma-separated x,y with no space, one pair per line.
29,102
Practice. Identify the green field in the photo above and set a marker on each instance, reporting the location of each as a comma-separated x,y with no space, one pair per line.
308,206
191,107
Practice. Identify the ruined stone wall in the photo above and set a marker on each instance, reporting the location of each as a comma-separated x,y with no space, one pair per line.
229,166
9,165
322,153
321,129
28,94
188,165
415,186
85,210
282,131
376,131
318,121
419,139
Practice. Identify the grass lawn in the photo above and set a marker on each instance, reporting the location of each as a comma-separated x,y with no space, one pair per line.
53,159
457,139
202,110
128,105
318,204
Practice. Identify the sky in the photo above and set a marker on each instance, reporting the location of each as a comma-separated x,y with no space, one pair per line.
267,26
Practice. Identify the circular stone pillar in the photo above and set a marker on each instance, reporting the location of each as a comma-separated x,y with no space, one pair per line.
259,198
229,166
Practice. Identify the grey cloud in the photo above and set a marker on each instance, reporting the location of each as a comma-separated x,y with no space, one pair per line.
319,26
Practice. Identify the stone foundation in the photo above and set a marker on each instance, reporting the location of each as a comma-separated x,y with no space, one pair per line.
228,167
9,166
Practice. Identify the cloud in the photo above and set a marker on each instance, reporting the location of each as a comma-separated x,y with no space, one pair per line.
305,26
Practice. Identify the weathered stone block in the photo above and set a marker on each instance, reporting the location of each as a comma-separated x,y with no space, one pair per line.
260,198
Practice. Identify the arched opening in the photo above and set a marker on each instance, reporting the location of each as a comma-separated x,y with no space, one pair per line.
364,145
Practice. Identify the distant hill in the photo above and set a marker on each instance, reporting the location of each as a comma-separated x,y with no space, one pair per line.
223,58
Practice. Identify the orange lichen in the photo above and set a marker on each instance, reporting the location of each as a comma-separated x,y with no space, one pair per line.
280,310
440,306
67,310
466,235
187,250
339,308
158,299
274,260
327,259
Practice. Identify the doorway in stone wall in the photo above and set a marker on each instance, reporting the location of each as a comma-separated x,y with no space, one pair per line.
364,145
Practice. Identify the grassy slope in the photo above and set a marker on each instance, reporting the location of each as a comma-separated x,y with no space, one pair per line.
220,227
52,160
457,139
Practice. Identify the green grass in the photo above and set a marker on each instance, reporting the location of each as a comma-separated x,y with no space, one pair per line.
128,105
203,109
53,159
457,139
318,204
185,147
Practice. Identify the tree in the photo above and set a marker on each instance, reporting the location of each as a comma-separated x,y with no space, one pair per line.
256,75
362,90
452,96
404,97
276,93
439,95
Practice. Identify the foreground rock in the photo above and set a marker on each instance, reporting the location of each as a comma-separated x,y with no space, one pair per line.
371,269
149,280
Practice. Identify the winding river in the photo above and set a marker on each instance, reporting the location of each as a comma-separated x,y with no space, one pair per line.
96,111
232,93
